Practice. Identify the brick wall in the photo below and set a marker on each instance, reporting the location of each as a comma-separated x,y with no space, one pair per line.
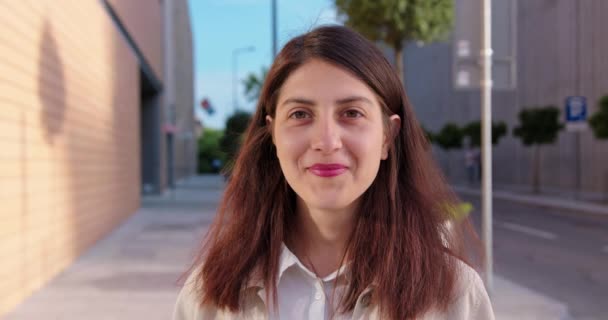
143,18
69,138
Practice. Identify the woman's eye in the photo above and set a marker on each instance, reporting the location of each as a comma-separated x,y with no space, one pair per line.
299,115
352,114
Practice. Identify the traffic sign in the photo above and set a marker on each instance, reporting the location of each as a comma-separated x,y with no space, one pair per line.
576,113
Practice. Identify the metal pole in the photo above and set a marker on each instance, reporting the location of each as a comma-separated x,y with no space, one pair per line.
579,92
236,83
274,28
486,135
169,93
234,52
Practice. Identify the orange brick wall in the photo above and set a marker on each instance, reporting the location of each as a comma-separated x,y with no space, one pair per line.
143,18
69,137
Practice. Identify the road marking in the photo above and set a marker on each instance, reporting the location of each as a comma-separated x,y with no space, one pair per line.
528,230
605,249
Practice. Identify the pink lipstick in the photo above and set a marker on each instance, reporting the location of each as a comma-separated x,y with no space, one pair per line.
327,170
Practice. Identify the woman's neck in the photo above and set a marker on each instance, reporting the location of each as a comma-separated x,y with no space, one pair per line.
322,236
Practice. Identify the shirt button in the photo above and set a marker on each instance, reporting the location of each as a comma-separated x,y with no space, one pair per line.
318,296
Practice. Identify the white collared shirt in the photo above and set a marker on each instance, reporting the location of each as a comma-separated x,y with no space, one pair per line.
297,298
302,295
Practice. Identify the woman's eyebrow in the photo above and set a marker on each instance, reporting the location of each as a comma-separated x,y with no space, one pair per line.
346,100
354,99
298,100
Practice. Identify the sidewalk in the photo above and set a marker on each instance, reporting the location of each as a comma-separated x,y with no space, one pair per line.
132,273
543,200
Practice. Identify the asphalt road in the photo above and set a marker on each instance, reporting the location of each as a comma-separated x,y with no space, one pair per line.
561,254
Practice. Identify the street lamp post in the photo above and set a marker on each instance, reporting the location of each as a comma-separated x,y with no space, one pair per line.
486,138
235,54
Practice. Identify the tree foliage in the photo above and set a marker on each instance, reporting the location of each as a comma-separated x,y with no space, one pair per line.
599,125
209,150
538,125
395,22
253,84
235,127
473,131
449,137
599,120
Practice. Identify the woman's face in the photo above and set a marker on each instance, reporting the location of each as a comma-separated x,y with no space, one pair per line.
329,134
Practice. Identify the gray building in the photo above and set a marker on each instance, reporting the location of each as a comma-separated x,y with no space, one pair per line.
561,49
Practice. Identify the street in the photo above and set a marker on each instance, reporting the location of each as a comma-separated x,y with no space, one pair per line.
563,255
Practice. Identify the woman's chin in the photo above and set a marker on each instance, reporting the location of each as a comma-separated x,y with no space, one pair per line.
329,204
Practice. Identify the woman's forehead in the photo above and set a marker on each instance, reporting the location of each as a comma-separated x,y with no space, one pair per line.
318,82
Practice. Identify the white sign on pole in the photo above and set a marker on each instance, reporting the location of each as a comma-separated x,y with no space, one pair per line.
463,78
463,48
467,44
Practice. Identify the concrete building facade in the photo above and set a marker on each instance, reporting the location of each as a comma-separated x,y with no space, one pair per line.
182,65
560,50
81,126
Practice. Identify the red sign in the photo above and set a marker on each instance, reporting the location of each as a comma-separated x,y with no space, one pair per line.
205,104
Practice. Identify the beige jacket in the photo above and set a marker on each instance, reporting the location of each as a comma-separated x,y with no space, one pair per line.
472,303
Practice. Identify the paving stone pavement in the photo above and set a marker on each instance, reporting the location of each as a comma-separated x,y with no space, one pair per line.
134,272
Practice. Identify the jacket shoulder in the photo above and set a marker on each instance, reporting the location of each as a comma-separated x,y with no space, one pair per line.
471,300
189,307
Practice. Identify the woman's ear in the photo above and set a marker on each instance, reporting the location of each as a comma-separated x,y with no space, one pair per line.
393,130
269,125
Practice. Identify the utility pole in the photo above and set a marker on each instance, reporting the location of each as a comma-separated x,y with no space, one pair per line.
274,28
485,57
169,90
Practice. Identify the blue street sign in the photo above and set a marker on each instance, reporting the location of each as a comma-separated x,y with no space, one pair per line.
576,109
576,113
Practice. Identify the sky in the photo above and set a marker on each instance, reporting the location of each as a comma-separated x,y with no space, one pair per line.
220,26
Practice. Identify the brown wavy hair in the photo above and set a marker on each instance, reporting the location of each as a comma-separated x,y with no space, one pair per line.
399,242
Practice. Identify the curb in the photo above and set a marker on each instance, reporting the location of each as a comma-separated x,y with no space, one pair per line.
543,201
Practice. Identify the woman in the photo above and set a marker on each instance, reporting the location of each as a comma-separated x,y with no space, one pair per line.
335,209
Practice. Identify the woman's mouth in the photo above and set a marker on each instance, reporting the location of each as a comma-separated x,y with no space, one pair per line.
327,170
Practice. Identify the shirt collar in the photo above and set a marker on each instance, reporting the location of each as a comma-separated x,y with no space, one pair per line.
288,259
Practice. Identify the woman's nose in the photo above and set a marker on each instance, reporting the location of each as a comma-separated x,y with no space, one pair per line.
326,136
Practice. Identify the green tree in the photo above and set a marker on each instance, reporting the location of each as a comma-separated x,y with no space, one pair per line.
396,22
209,150
231,140
253,84
599,125
449,138
473,131
538,126
599,120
